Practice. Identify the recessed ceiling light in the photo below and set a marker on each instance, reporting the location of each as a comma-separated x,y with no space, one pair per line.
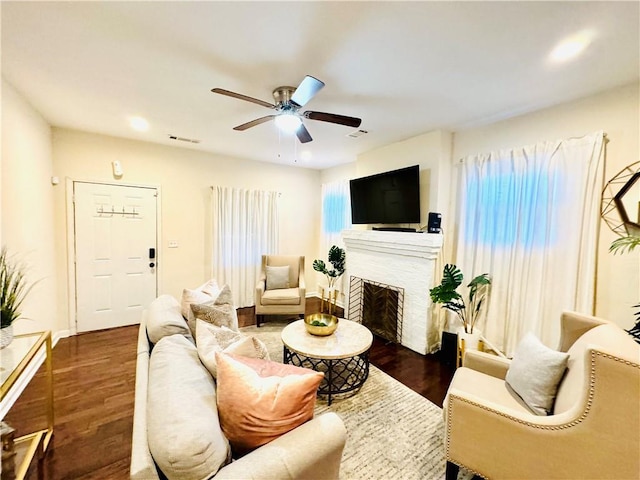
139,124
571,47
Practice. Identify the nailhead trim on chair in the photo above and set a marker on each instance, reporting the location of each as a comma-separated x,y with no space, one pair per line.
592,384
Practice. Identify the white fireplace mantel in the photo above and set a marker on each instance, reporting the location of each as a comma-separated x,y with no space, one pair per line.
402,259
410,244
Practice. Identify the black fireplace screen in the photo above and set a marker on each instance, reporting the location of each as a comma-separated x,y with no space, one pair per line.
377,306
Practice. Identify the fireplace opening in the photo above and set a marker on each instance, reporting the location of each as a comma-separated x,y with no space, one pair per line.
377,306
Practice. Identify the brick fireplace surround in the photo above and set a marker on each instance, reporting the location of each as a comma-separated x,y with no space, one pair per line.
405,260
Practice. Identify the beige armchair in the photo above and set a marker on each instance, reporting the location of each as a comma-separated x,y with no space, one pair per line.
593,431
277,294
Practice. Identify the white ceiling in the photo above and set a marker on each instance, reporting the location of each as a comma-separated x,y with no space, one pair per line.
405,68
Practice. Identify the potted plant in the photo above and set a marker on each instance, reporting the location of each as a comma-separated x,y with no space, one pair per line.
336,258
468,311
13,290
622,245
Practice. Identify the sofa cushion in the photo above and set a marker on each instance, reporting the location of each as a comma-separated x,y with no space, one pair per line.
277,277
183,428
535,372
259,400
164,318
283,296
211,339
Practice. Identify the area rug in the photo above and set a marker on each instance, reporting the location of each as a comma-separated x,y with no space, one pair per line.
392,432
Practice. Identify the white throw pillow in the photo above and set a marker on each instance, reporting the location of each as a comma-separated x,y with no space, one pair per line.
211,288
211,339
206,292
535,372
277,277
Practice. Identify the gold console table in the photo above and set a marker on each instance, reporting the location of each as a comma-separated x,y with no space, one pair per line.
15,360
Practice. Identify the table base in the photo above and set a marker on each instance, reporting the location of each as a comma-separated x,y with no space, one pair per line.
341,375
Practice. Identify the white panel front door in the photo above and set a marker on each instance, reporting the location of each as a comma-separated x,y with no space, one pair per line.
115,228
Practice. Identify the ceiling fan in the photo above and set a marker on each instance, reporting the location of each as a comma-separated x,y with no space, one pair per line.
288,102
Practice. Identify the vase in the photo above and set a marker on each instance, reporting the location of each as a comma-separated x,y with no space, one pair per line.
6,336
471,340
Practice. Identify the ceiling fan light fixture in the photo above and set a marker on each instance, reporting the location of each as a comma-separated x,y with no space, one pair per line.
288,122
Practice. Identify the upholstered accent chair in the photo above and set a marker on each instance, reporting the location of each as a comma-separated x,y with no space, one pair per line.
592,431
281,288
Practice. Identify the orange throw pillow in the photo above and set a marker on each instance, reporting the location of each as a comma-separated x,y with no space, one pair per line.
259,400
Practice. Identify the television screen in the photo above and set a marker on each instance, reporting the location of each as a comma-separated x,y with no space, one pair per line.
391,197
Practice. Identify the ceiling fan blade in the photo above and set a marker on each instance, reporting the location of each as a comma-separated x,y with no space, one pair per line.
307,89
228,93
303,134
333,118
253,123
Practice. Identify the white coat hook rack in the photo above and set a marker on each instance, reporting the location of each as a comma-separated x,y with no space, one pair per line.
102,211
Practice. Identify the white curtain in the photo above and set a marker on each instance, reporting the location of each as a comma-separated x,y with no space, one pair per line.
529,217
245,227
336,217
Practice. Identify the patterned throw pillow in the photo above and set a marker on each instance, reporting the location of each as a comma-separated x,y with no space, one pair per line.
260,400
206,292
219,312
211,339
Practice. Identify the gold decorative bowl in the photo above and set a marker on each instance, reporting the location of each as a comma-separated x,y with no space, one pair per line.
321,324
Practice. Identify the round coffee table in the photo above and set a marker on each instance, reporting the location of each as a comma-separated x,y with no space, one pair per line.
343,356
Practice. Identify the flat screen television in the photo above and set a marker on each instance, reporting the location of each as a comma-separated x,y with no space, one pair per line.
390,197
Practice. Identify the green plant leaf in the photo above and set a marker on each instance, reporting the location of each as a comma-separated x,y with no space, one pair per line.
478,283
624,244
451,277
337,259
319,266
13,289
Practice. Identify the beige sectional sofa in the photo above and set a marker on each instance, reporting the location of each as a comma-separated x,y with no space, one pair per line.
175,417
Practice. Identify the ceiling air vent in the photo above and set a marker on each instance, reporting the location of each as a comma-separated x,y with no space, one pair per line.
357,133
183,139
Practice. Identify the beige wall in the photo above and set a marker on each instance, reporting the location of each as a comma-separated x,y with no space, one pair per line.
184,177
27,206
617,113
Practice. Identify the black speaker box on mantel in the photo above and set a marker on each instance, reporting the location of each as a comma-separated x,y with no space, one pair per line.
435,220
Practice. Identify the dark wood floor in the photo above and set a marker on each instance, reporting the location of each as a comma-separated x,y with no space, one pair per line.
94,377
